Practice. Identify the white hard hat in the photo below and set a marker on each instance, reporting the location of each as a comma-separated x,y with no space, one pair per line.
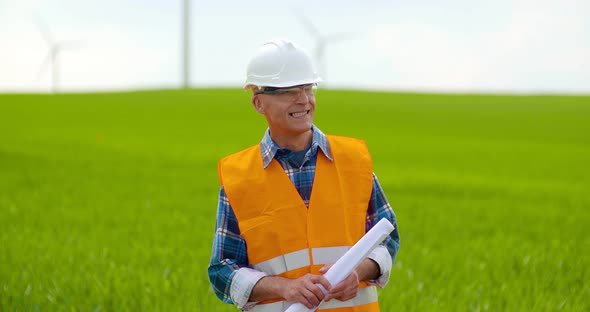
280,63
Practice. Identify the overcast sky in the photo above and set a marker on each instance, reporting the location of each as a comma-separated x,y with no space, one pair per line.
522,46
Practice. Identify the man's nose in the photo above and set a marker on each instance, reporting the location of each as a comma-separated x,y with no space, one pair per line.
301,95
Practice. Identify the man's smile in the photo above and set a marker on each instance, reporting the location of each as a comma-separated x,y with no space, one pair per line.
299,114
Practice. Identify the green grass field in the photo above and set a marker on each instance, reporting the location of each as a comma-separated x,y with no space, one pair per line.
107,201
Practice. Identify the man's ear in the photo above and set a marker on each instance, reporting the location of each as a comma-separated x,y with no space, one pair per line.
257,103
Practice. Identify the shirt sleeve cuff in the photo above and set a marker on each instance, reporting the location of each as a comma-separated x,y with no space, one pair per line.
383,259
242,284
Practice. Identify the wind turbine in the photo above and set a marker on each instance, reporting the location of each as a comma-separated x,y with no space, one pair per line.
186,44
321,42
52,56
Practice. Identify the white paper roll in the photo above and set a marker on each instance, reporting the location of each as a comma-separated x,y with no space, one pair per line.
351,259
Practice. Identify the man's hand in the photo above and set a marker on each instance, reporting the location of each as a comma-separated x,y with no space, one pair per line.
305,290
348,288
345,290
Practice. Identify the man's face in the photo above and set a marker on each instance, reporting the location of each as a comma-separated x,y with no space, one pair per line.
289,110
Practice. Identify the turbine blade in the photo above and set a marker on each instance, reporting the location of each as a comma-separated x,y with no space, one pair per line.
308,25
44,30
44,66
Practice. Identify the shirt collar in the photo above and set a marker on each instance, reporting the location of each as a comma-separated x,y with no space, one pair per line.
268,148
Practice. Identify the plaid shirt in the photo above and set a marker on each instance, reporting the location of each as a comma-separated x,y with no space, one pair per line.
229,273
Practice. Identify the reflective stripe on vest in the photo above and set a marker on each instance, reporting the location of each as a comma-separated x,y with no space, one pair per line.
364,296
326,255
298,259
283,263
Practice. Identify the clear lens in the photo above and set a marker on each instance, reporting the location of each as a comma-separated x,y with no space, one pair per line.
291,93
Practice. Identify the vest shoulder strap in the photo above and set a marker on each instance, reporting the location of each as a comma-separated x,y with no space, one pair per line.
350,150
239,163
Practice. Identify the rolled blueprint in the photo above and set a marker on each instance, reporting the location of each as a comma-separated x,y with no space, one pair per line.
351,259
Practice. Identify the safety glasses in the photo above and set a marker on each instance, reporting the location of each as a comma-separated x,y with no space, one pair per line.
290,93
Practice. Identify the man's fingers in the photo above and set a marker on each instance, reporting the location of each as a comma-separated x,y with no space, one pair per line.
312,292
329,297
338,288
318,279
306,297
348,294
325,268
345,290
319,294
336,292
307,290
303,299
343,295
311,298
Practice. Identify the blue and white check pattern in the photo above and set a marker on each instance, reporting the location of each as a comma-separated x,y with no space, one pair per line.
229,273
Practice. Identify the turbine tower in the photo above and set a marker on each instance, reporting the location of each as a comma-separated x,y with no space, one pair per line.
321,42
52,56
186,45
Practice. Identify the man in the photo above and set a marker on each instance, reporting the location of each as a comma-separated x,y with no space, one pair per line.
292,205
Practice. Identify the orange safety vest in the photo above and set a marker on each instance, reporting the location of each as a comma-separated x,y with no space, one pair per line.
288,239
